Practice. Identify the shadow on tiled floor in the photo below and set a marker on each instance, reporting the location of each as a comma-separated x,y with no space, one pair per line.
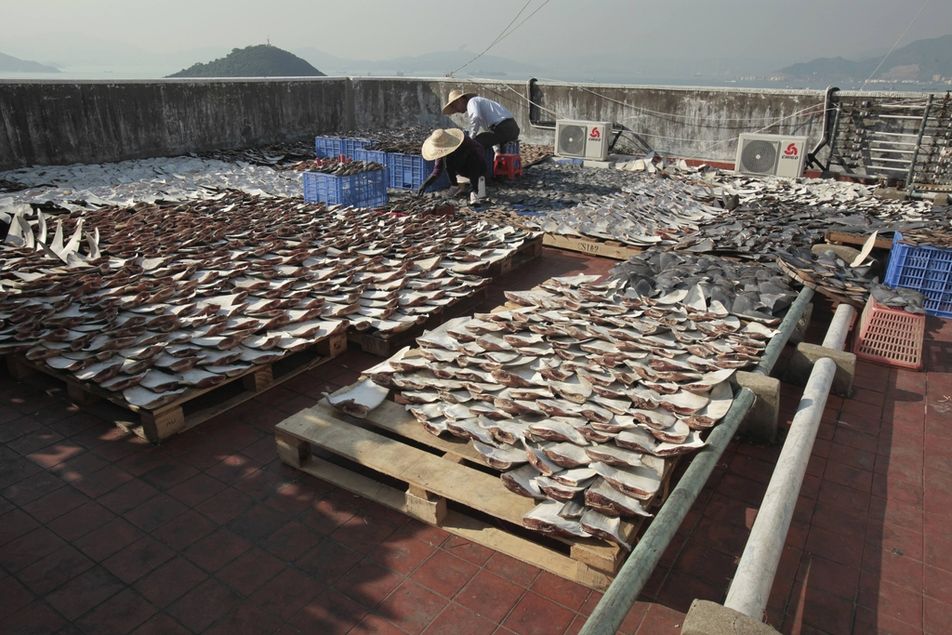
209,532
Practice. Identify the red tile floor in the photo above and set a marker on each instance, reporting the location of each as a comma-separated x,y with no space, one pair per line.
210,533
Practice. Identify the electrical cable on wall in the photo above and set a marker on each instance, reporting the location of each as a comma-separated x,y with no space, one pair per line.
812,111
661,114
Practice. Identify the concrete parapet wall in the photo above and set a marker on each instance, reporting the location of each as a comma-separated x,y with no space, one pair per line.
92,122
60,122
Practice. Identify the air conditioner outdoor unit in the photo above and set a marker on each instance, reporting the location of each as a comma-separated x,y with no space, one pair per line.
770,154
582,139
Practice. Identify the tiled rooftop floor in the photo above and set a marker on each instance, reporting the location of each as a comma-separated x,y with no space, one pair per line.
102,533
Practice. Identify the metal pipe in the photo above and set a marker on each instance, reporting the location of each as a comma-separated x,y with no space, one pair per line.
839,327
915,118
891,150
615,604
876,133
544,125
754,578
910,177
888,160
778,341
634,573
827,129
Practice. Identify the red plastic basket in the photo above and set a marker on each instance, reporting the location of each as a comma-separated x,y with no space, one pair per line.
890,336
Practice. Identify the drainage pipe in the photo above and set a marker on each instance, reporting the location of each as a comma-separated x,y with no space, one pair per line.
839,327
634,573
534,122
750,589
779,341
754,578
615,604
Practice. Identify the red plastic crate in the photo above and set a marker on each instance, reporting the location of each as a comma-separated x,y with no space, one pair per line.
890,336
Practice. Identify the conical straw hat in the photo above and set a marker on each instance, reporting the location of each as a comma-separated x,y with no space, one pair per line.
454,95
441,143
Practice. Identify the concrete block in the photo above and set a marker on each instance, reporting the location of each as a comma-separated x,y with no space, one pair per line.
710,618
801,363
762,420
588,163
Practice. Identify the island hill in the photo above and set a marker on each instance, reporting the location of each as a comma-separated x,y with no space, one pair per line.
927,60
8,63
262,60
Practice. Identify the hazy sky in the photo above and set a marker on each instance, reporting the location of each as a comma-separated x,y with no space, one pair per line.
71,31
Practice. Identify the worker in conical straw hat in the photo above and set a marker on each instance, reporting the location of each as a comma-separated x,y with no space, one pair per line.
459,155
490,123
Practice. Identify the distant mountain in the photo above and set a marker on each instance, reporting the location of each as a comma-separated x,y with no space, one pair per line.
429,64
923,60
10,64
262,60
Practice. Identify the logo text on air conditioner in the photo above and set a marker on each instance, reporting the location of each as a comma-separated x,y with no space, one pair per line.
595,134
792,151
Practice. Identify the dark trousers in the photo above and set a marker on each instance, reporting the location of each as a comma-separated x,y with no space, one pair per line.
500,134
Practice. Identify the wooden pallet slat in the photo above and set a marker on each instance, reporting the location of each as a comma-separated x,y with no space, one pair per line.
529,250
386,344
436,472
591,246
853,238
194,406
454,522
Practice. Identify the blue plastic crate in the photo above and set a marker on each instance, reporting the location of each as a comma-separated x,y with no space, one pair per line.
350,145
375,156
327,147
926,269
511,148
366,189
408,171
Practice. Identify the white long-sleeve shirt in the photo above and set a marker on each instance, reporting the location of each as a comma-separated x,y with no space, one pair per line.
484,113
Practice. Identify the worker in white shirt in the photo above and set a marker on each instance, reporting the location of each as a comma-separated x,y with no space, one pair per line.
490,123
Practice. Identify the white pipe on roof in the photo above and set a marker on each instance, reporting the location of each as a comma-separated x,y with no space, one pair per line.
753,580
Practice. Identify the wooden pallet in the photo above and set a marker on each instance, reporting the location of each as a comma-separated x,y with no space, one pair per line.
851,238
388,457
529,250
591,246
386,344
194,406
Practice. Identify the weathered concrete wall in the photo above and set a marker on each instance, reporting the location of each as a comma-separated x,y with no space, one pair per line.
691,122
91,122
44,122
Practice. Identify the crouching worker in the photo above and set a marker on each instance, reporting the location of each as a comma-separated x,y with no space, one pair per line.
491,124
459,156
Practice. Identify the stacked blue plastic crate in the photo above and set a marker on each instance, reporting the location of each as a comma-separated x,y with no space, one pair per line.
364,189
406,171
331,147
926,269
